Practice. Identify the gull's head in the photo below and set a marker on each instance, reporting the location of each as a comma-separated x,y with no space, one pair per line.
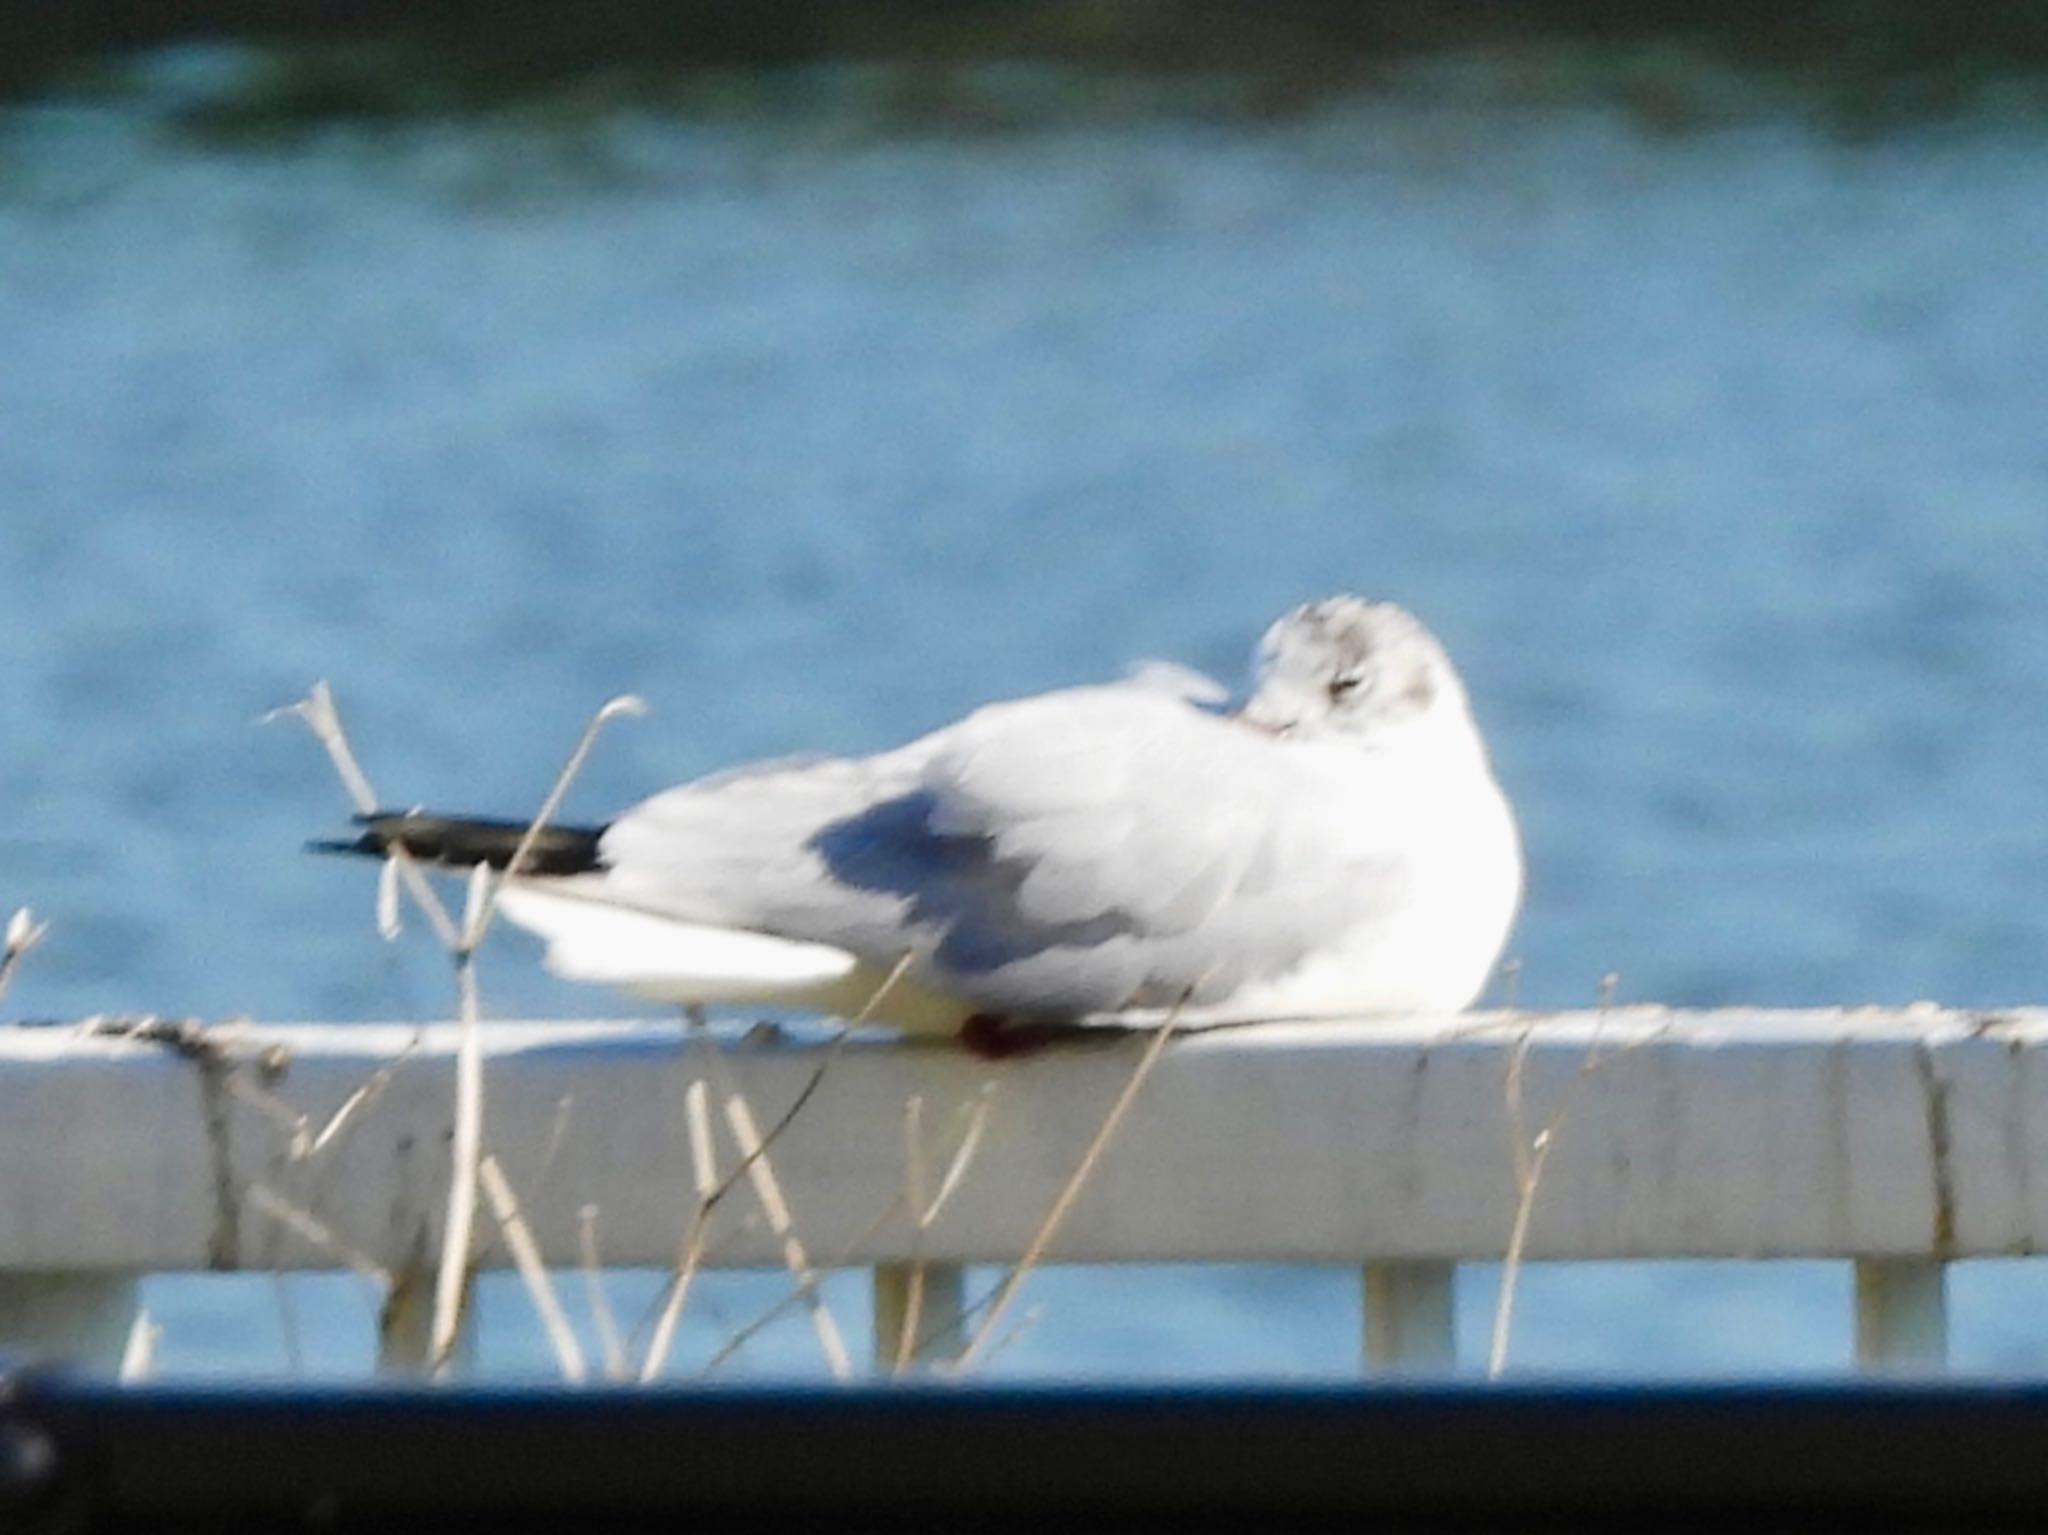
1347,667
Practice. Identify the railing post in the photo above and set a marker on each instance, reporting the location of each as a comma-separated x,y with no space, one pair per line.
940,1300
1901,1313
405,1327
1409,1322
80,1319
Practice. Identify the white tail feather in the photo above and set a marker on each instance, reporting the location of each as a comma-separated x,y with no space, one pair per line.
594,940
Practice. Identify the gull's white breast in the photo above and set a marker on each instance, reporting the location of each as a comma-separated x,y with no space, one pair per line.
1447,828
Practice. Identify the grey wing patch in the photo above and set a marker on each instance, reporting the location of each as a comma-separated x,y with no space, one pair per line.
1096,850
1076,853
733,849
957,894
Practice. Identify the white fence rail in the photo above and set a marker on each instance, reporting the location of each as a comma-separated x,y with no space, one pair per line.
1900,1139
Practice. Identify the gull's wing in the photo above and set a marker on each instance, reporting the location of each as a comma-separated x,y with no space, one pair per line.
1073,853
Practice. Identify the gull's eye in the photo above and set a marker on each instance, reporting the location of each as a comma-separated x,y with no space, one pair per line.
1343,685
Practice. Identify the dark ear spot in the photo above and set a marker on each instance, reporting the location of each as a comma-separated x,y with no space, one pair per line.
1420,691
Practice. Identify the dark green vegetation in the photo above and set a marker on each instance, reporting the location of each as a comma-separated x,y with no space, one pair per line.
1854,63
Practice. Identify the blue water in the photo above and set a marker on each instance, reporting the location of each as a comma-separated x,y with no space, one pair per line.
1718,461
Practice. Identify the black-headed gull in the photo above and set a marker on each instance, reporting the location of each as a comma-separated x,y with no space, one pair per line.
1337,847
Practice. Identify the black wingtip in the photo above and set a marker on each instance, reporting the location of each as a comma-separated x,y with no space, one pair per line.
461,842
365,845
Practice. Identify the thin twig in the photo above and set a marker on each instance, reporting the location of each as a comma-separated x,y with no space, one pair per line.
1056,1216
963,1155
608,1340
517,864
1530,1155
808,1281
690,1249
138,1355
910,1338
526,1258
704,1176
817,1076
1016,1330
1528,1168
739,1120
802,1291
23,934
389,928
913,1191
362,1098
317,711
977,1116
294,1124
405,1320
451,1283
302,1221
558,1133
320,716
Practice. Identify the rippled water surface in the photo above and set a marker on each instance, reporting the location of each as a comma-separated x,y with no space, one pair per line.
1718,460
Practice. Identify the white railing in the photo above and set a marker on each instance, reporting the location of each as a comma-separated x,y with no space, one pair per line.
1898,1139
